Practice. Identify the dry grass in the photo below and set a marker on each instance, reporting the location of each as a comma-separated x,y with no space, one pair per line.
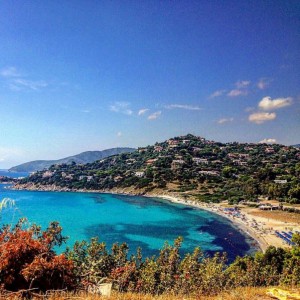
277,215
237,294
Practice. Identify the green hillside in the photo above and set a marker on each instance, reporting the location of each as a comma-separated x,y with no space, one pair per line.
190,165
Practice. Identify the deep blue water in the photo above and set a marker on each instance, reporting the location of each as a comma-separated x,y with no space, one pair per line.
138,221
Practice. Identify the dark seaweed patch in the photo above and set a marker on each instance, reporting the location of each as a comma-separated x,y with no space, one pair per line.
187,208
98,199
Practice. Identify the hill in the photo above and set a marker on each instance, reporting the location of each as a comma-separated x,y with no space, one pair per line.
82,158
188,165
296,146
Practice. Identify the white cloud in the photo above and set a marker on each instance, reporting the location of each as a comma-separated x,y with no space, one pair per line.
237,92
240,90
268,141
142,111
242,84
18,83
9,72
217,93
225,120
263,83
154,115
121,107
261,117
268,104
119,134
182,106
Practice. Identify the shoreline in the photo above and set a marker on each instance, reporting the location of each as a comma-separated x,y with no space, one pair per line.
262,244
258,228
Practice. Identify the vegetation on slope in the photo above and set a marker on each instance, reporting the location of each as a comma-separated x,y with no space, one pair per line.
192,166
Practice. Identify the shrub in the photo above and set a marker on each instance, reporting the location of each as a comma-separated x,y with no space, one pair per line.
27,259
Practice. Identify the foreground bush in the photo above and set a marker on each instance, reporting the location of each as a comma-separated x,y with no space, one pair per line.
194,274
27,259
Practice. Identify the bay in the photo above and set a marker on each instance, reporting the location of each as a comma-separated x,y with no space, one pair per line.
138,221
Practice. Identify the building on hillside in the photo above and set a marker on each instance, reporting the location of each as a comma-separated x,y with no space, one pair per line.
248,148
139,174
268,207
210,172
185,142
239,162
118,178
209,142
244,155
280,181
173,146
88,178
269,150
177,163
150,162
232,155
196,149
130,161
216,162
199,160
47,174
173,142
158,148
67,176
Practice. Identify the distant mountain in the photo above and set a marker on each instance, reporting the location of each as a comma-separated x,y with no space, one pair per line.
82,158
296,146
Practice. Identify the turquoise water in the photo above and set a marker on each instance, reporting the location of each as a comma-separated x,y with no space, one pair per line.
138,221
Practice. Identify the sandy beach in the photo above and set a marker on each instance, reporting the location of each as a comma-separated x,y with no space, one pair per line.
259,227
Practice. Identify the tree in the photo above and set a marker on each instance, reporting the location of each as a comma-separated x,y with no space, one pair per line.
228,171
295,192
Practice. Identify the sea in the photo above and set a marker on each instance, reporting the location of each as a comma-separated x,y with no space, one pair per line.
139,221
13,174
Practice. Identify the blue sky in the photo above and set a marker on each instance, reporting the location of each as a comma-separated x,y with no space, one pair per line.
90,75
